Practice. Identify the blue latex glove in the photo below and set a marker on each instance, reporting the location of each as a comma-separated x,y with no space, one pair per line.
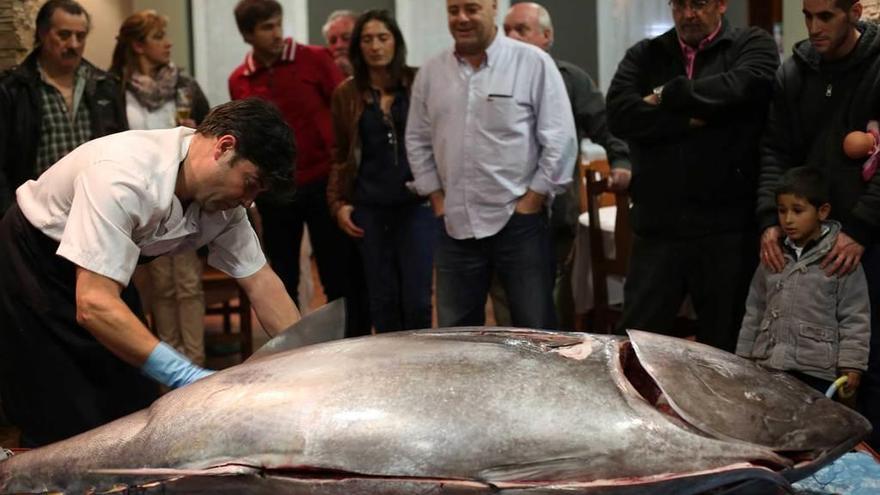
171,368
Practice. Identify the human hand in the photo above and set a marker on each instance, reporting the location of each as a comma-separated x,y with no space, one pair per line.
843,257
695,122
530,203
652,100
343,218
853,380
619,179
438,199
171,368
771,252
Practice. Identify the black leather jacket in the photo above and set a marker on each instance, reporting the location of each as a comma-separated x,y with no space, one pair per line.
21,119
694,180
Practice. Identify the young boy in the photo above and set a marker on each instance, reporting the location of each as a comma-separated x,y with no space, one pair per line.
800,320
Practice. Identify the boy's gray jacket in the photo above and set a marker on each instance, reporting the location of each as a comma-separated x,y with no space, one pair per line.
801,319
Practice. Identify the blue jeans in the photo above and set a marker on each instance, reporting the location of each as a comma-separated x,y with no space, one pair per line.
398,253
522,256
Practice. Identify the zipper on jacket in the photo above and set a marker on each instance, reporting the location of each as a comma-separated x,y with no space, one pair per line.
828,90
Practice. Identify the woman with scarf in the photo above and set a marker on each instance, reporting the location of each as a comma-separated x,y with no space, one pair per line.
367,190
159,96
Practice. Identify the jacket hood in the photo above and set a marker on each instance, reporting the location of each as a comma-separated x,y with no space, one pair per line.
867,47
824,246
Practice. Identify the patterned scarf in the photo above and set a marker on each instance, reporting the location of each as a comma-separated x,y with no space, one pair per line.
153,93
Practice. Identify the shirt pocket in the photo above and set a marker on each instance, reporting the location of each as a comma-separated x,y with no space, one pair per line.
501,115
815,346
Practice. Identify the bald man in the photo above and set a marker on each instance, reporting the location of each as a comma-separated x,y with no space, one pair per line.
531,23
490,141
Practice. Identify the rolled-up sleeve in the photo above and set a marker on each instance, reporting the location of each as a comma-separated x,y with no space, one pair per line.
236,251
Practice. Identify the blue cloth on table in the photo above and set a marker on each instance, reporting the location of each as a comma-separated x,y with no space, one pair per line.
855,473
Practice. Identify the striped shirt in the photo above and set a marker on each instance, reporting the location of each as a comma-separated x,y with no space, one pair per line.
62,131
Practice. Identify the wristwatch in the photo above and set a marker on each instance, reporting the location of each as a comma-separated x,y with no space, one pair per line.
658,92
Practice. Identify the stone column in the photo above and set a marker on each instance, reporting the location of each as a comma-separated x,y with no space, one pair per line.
16,29
871,10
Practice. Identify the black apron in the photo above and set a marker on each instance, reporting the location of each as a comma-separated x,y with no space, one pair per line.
56,380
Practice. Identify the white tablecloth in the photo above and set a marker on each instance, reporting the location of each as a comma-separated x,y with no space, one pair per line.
582,279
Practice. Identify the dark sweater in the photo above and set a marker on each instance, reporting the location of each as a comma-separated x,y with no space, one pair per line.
694,181
815,105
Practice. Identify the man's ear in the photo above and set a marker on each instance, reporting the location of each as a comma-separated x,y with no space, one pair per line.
824,211
224,144
855,13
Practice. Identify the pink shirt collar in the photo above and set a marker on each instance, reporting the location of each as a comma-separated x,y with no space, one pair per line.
690,53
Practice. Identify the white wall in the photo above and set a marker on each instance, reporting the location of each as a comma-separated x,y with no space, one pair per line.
218,47
623,23
793,27
106,19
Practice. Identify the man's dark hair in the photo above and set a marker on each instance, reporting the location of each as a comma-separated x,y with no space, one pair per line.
262,137
359,65
844,5
249,13
44,16
805,182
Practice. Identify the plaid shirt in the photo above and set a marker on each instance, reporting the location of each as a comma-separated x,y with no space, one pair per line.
61,132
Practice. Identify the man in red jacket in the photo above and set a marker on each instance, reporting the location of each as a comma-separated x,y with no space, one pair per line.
299,79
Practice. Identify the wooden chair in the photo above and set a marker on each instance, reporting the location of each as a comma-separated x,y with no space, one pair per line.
223,296
595,193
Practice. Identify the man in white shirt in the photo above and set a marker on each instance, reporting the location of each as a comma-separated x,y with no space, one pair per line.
491,139
73,352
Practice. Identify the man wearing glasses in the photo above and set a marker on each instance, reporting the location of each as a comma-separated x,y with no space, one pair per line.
691,103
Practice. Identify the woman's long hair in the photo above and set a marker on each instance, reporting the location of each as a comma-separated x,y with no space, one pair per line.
135,28
361,71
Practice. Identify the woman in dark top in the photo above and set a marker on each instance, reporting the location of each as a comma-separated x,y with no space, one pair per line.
367,190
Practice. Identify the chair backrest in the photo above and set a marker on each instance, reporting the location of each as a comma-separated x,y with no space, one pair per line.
597,194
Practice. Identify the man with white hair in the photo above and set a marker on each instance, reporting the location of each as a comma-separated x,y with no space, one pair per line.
337,34
531,23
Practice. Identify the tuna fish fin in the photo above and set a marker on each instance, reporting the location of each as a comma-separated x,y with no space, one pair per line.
322,325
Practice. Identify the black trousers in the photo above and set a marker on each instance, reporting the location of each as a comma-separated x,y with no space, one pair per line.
339,264
869,390
714,270
56,380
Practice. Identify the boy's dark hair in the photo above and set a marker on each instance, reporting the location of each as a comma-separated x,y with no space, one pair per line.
262,136
249,13
44,16
805,182
359,65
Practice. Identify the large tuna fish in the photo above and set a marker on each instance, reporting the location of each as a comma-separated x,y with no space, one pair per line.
460,411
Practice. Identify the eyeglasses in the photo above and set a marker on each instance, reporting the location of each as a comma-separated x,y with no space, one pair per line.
695,5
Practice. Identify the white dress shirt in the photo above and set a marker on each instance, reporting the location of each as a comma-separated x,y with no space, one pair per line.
485,136
112,199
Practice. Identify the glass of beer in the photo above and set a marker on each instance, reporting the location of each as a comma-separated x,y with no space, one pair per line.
183,105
